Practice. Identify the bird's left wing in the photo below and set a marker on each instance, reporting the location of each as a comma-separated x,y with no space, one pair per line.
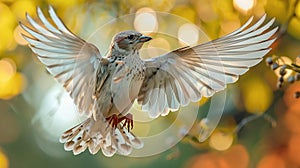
189,73
70,59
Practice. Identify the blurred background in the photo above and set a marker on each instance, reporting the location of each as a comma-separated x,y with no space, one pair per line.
260,126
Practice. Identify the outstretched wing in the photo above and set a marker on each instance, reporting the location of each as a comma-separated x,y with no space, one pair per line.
189,73
71,60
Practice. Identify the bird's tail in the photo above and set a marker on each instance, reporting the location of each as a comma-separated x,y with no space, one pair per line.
96,135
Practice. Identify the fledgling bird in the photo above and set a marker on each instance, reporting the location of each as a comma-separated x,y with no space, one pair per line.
104,87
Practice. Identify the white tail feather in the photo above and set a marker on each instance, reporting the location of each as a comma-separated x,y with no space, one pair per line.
96,135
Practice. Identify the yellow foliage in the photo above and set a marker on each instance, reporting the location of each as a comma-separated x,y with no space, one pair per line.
11,82
244,5
13,87
278,9
225,9
257,95
186,12
7,18
293,27
65,3
3,160
7,21
19,8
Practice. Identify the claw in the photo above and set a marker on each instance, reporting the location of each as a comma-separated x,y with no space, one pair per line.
128,122
114,120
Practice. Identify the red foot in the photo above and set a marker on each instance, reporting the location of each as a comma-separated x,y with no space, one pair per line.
128,121
114,120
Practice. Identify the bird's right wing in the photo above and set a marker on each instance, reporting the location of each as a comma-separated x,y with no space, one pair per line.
70,59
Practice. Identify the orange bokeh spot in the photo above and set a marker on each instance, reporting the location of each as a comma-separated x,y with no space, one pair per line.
289,98
271,161
292,121
237,156
294,149
209,160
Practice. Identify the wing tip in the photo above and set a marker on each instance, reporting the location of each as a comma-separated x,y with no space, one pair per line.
38,10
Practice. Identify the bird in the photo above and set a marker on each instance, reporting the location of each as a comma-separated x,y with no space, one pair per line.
104,87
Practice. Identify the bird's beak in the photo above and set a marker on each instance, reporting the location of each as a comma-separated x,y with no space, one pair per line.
143,39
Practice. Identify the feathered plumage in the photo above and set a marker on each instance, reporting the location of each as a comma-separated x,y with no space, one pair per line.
104,87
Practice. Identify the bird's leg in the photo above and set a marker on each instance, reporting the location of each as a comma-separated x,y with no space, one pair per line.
113,120
128,121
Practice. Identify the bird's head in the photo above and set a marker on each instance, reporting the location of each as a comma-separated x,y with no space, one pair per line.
128,41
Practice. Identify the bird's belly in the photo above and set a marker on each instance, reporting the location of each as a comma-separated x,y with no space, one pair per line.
118,97
124,94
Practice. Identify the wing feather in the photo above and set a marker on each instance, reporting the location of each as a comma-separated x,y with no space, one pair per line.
70,59
188,73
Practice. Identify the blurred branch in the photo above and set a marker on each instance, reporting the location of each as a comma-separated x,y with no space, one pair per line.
276,62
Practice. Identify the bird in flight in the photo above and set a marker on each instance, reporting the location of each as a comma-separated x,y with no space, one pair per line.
104,87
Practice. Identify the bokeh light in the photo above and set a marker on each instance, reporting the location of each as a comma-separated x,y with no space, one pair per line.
7,70
234,157
4,162
237,156
297,60
292,121
64,4
56,114
188,34
229,26
7,18
158,46
272,160
289,98
12,83
257,95
185,11
209,160
205,10
244,5
294,148
274,8
18,37
7,22
21,7
145,21
220,141
293,27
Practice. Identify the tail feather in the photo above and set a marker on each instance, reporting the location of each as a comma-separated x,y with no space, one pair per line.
96,135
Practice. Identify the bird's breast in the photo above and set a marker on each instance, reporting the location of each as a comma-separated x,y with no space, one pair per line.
126,80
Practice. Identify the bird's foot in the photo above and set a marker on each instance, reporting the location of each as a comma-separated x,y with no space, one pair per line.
128,121
114,120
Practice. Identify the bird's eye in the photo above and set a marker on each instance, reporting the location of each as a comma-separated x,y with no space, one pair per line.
130,37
